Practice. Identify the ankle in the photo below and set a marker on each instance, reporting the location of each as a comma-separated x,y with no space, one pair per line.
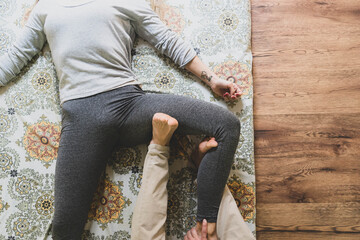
212,236
211,230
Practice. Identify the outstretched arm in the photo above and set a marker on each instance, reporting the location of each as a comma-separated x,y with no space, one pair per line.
149,26
29,43
26,46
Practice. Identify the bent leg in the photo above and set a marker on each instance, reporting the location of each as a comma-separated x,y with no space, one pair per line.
194,117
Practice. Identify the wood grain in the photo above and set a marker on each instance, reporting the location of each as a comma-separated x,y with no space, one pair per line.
311,49
317,217
306,69
310,235
307,158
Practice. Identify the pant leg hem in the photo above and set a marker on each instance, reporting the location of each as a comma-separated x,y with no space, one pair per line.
208,219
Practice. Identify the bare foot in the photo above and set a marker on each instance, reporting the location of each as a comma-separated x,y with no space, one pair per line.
198,154
163,128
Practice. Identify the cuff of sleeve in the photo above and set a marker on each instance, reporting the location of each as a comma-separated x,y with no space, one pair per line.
2,83
192,56
160,148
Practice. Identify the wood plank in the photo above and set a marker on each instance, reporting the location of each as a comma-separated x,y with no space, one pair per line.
316,45
318,217
324,55
306,70
301,14
309,51
307,158
307,181
306,128
266,235
307,92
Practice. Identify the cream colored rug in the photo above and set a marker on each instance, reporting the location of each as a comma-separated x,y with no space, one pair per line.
220,32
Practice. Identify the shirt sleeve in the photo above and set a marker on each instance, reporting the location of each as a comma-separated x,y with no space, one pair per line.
30,41
148,25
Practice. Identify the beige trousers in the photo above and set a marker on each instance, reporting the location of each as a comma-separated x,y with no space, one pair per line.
148,221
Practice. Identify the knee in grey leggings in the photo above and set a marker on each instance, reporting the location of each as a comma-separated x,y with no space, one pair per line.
93,126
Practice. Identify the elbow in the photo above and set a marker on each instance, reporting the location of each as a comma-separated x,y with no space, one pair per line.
6,71
2,78
2,83
180,51
166,43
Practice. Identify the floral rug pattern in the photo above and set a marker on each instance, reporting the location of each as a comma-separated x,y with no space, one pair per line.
219,31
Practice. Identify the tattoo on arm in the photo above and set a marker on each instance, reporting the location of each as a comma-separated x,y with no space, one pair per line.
205,76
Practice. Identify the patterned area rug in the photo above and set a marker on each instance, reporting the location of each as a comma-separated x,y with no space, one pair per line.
220,32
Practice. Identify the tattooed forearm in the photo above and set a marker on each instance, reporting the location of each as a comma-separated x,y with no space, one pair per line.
205,76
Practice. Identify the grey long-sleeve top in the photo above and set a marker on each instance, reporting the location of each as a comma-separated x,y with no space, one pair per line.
91,42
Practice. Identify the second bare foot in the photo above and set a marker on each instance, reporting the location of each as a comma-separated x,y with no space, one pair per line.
199,152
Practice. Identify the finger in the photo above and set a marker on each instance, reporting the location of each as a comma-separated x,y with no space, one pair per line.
204,230
189,235
226,97
232,88
236,96
226,94
238,92
186,238
193,232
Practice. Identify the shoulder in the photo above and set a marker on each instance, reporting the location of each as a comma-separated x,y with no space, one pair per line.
44,5
38,14
41,5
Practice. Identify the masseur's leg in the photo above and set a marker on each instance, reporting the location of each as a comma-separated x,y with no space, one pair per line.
149,216
230,224
194,117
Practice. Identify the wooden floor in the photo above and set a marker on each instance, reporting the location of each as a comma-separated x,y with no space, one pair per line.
306,70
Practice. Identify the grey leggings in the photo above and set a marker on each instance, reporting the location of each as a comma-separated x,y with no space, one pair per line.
94,126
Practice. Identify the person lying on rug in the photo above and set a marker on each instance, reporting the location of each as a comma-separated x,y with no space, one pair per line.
149,216
103,105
